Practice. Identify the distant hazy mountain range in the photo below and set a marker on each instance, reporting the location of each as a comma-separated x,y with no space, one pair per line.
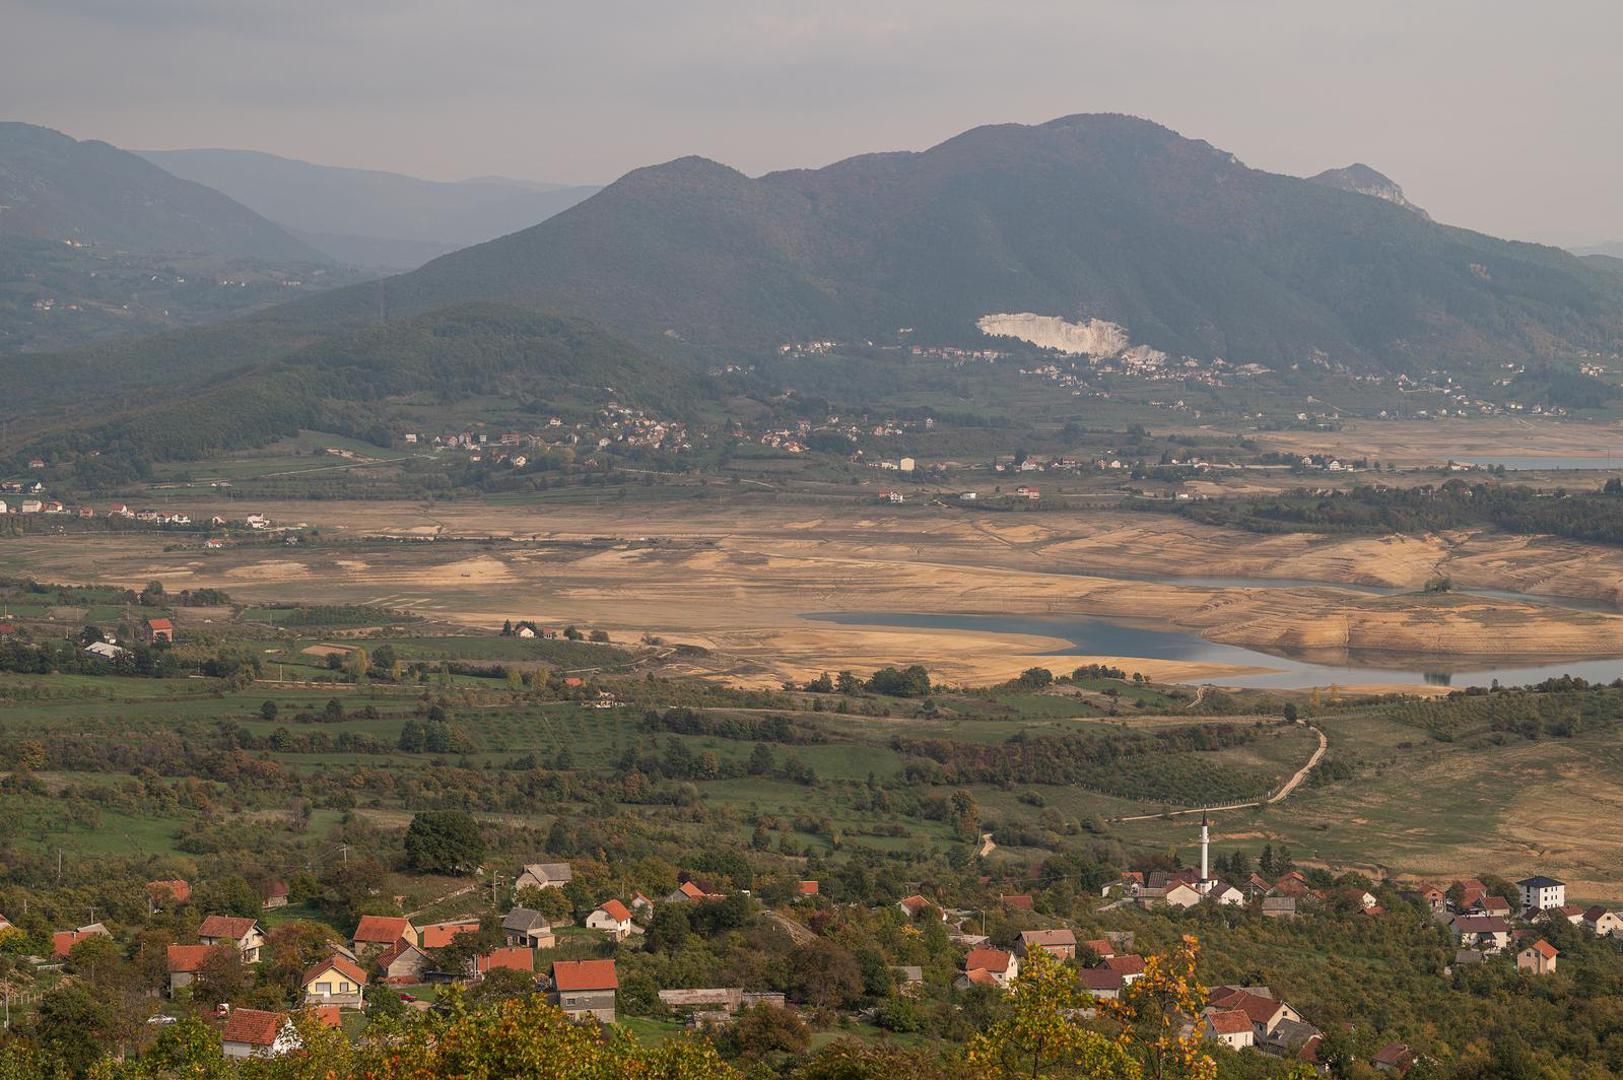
1176,244
369,218
56,188
1612,250
96,242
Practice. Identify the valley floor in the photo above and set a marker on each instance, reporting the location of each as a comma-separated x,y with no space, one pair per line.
736,574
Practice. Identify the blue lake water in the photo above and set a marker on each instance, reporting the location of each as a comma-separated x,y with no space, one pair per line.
1105,637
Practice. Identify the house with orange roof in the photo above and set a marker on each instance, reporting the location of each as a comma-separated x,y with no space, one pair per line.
1230,1027
375,933
505,958
1266,1013
439,935
916,905
256,1033
613,918
1538,958
63,941
583,988
1002,967
158,629
242,933
183,962
337,980
806,888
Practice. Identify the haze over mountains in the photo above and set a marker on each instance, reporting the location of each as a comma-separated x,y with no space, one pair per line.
96,242
369,218
1096,217
55,187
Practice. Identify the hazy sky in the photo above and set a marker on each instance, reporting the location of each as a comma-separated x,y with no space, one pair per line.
1498,114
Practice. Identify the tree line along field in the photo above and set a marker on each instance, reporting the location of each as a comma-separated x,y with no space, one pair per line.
814,770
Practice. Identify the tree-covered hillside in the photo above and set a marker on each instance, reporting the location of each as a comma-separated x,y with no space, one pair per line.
1098,216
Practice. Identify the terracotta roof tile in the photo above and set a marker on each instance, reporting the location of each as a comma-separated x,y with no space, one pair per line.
341,964
584,975
381,929
226,926
256,1027
1228,1021
184,959
990,959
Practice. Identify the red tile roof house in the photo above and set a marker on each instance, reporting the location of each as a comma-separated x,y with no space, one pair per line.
505,958
336,980
1100,947
158,630
1538,958
1129,967
63,941
1394,1057
254,1033
1230,1027
377,932
1100,982
276,896
183,963
915,905
1002,967
806,888
583,988
243,933
611,917
1060,944
1017,902
1266,1013
173,891
439,935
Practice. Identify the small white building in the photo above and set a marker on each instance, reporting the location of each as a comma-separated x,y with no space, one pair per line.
613,918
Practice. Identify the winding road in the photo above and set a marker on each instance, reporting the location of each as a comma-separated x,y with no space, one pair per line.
1296,781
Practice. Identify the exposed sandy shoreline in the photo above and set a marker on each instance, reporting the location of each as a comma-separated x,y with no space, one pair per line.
738,577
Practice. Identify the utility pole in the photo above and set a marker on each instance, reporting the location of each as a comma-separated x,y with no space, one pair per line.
344,849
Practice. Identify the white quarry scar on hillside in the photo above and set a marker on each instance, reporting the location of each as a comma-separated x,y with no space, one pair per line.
1091,337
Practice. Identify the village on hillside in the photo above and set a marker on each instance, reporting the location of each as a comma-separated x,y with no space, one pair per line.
549,941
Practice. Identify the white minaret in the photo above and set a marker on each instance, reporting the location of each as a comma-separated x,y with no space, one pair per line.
1205,850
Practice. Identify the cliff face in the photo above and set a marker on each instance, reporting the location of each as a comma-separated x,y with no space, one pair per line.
1367,181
